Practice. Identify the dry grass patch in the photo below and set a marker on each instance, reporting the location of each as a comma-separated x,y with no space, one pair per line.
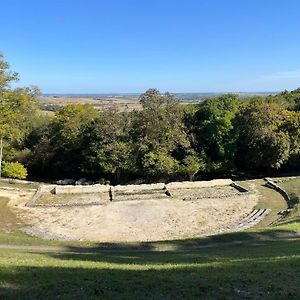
72,199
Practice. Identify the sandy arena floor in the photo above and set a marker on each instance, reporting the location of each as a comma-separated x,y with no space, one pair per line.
130,221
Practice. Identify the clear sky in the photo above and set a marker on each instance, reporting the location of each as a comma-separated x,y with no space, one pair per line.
97,46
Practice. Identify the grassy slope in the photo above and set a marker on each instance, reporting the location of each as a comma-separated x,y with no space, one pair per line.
262,270
268,199
244,265
5,183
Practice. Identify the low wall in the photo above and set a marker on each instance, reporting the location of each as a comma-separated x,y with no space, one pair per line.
138,187
81,189
4,179
271,184
199,184
35,197
239,187
144,190
47,188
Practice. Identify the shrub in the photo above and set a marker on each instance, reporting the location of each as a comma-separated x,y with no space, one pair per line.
14,170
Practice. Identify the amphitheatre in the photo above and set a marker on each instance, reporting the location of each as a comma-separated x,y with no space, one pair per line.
136,213
150,240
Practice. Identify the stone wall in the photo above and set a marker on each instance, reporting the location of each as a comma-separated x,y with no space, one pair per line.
138,187
128,192
81,189
271,184
198,184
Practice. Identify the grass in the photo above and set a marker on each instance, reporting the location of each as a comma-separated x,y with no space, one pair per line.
261,270
72,198
205,192
268,199
8,220
5,183
292,186
259,263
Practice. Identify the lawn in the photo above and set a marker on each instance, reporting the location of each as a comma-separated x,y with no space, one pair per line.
269,198
292,186
259,263
260,270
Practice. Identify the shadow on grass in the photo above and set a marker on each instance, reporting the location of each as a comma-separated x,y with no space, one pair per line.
215,241
265,270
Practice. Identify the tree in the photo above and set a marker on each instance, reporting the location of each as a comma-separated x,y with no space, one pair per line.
18,108
6,76
108,149
159,163
70,121
291,126
262,144
18,112
14,170
156,131
213,127
191,165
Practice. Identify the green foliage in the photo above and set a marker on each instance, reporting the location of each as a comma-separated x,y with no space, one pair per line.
159,164
14,170
18,109
213,129
163,140
71,120
192,164
262,145
107,146
6,76
157,131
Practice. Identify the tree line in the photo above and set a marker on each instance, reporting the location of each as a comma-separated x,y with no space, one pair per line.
165,140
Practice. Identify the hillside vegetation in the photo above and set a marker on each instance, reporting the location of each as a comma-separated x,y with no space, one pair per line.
162,141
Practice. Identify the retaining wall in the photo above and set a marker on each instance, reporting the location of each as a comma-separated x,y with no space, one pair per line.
239,187
199,184
141,188
271,184
138,187
81,189
35,197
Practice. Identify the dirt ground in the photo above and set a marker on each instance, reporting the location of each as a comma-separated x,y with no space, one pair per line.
130,221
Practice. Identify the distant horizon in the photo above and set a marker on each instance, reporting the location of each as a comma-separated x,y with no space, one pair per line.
139,93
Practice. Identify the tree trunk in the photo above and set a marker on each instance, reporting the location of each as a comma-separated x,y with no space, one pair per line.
117,177
1,155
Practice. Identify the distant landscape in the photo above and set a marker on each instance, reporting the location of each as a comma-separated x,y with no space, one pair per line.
180,96
125,101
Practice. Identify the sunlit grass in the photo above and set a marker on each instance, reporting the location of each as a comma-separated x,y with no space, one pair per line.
258,263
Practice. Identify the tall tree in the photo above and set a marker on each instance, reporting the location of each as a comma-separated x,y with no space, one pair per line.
213,127
157,130
262,144
107,148
56,144
18,109
6,76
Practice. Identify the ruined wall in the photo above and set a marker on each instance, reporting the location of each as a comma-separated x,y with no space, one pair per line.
198,184
81,189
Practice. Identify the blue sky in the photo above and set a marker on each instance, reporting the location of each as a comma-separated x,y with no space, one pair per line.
129,45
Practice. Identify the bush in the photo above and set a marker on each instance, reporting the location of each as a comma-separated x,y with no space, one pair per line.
14,170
